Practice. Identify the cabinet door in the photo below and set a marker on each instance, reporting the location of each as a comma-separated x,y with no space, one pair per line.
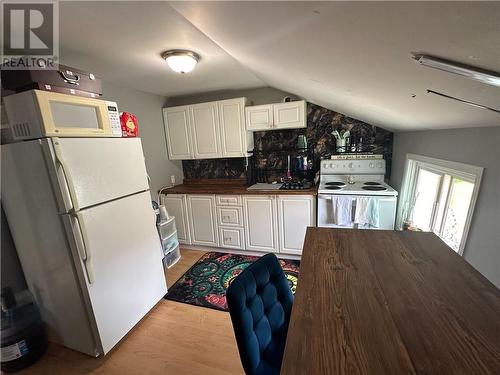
202,220
176,205
290,115
295,214
230,216
259,117
260,223
232,127
178,133
205,125
232,238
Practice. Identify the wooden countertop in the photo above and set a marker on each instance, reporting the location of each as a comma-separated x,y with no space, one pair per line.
386,302
236,189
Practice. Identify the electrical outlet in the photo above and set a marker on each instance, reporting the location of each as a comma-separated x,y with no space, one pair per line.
172,179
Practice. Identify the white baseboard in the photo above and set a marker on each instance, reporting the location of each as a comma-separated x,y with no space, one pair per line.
235,251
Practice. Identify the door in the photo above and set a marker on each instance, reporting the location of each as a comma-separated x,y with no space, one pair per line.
91,171
176,205
232,127
260,223
122,258
178,133
290,115
259,117
202,220
295,214
205,126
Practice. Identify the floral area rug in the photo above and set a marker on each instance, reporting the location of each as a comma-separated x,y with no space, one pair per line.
206,282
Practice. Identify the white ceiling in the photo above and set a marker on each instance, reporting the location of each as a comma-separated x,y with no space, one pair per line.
352,57
122,42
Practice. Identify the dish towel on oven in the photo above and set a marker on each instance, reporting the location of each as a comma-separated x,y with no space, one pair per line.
366,214
341,211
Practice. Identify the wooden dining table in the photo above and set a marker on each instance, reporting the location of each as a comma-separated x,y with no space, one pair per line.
389,302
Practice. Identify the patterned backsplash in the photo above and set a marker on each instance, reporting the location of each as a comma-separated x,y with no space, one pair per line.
320,124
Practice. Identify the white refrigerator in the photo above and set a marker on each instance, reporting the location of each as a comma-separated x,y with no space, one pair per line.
80,213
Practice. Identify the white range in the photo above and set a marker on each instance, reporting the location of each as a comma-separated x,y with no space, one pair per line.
355,177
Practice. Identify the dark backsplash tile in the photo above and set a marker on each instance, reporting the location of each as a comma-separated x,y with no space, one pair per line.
320,124
214,168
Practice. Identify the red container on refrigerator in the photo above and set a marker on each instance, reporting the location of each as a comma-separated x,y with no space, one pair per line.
129,124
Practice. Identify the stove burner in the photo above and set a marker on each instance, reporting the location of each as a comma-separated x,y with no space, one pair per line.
374,188
335,183
333,187
372,183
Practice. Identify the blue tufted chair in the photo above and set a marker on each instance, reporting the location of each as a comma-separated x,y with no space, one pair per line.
260,302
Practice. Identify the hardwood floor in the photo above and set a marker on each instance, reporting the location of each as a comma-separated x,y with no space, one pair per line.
174,338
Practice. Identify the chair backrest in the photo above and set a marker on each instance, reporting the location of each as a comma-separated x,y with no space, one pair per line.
260,302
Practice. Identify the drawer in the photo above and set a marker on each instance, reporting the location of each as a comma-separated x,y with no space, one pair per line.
232,238
172,257
230,216
229,200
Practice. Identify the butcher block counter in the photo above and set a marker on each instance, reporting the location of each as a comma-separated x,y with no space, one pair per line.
229,186
390,303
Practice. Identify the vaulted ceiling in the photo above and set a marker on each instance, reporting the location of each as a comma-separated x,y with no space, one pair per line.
351,57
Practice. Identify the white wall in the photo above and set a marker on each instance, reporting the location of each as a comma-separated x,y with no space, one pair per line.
148,109
480,147
256,96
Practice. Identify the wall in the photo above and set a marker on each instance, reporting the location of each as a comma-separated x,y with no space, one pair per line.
256,96
479,147
148,109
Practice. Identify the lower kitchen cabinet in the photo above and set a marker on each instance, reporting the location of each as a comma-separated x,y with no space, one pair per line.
263,223
261,227
176,205
295,214
232,238
202,220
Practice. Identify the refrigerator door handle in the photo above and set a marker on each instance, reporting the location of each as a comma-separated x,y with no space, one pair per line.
83,250
67,175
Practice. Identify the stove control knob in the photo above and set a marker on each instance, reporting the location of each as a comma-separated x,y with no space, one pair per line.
372,165
379,165
325,166
332,166
351,165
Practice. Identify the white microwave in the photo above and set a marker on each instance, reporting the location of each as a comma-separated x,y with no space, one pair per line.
37,114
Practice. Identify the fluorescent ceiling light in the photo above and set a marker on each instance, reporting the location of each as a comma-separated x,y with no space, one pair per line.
481,75
181,61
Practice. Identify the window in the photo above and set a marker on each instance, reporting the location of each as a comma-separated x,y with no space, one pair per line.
439,196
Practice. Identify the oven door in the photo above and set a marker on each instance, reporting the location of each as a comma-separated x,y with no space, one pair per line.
387,211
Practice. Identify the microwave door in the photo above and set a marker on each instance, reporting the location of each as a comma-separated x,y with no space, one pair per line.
91,171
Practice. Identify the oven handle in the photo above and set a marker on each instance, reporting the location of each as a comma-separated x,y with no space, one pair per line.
380,198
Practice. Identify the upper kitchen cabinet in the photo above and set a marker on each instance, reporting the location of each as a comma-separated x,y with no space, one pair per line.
259,117
235,140
178,132
205,128
208,130
290,115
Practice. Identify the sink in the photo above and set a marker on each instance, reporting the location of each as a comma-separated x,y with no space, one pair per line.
264,187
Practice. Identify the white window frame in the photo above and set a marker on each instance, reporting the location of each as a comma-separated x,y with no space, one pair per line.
466,172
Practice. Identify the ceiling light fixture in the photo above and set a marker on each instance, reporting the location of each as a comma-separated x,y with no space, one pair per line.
181,61
485,76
